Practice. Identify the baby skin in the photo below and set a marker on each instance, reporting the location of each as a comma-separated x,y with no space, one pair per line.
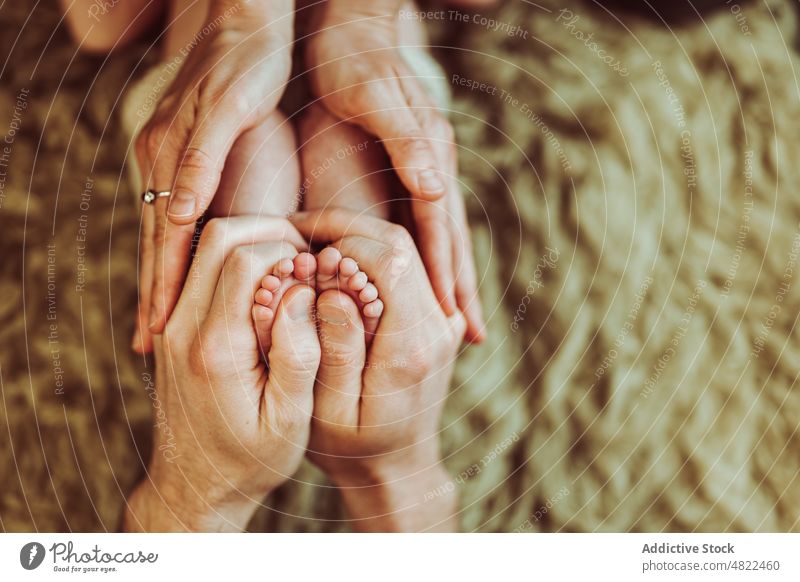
328,270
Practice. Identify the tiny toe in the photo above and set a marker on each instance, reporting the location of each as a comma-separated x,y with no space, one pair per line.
305,266
271,283
284,268
368,294
262,314
374,309
348,267
358,281
264,297
328,261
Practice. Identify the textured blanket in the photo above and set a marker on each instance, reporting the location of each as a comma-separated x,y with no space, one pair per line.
632,189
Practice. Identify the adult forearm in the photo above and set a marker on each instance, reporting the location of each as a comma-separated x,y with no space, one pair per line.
152,508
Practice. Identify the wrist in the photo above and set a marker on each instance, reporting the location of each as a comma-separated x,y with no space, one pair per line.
273,18
334,14
166,508
400,498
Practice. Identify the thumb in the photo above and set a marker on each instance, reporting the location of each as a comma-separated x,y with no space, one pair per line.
295,353
200,169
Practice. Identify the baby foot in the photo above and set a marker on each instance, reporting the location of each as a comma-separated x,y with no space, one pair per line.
342,273
285,275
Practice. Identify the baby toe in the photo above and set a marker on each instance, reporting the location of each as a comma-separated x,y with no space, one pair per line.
262,314
284,268
328,261
373,309
305,266
358,281
271,283
368,294
263,297
348,267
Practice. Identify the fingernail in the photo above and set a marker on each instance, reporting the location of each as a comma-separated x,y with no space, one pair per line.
153,317
181,204
430,183
300,305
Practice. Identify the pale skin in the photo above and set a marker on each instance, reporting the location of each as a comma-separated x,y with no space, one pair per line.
371,424
377,407
218,117
258,149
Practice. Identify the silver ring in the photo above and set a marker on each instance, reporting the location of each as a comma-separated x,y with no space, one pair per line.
150,196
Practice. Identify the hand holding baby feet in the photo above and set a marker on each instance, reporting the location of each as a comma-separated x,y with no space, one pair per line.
377,408
254,421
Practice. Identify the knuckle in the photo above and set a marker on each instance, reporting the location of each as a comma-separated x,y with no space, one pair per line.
155,137
413,145
399,237
235,102
423,361
196,158
242,260
284,418
393,262
441,129
198,174
214,232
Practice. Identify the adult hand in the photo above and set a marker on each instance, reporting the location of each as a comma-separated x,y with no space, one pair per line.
229,430
358,72
231,81
377,412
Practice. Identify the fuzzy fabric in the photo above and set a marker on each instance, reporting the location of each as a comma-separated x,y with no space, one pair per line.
632,196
